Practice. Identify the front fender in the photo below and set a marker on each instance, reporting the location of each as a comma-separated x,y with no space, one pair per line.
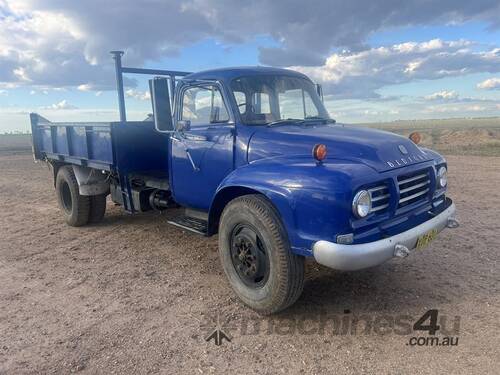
313,200
438,158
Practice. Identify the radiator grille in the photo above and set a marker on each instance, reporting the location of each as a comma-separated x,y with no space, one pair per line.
380,198
413,187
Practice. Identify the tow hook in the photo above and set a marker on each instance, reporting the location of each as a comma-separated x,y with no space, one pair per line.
452,223
401,251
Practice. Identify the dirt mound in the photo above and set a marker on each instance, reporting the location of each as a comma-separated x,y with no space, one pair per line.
469,137
473,141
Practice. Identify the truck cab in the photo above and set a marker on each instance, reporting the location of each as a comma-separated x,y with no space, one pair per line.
252,155
217,114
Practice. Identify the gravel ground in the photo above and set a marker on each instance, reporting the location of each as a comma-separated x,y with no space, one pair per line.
135,295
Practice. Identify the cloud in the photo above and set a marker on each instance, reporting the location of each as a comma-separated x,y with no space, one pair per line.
443,95
490,84
456,108
63,104
85,87
4,93
307,34
42,50
66,43
360,74
410,108
137,94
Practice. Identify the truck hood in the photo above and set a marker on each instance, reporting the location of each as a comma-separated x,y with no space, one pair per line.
377,149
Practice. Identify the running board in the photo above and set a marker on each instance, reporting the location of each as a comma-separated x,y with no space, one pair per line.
192,224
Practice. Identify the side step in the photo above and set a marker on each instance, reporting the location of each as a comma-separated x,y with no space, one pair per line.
190,223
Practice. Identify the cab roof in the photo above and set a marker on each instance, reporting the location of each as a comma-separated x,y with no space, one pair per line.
229,74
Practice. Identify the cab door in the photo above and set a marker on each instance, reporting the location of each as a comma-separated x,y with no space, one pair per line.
202,146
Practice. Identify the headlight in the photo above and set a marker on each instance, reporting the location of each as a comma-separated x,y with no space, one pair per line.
361,204
442,177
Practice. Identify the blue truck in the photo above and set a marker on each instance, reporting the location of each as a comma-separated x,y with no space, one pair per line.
251,154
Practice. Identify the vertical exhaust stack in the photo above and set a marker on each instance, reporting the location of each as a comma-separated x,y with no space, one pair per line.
117,56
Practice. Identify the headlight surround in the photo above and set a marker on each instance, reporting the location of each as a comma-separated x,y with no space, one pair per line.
361,204
442,177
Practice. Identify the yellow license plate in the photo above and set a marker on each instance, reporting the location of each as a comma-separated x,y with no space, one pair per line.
426,239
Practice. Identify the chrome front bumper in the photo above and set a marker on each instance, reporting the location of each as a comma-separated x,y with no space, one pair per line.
355,257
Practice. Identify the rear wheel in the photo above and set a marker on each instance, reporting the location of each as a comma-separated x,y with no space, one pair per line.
75,207
256,256
97,208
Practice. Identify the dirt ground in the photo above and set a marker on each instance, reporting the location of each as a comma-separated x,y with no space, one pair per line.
136,295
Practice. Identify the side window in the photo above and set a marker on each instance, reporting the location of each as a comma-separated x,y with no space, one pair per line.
203,105
261,103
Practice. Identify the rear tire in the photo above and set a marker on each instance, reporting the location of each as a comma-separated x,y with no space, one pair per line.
256,257
75,207
97,208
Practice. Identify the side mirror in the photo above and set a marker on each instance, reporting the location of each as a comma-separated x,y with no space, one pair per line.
319,90
160,99
183,126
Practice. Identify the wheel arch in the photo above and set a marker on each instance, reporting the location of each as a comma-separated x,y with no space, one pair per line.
221,199
278,199
90,182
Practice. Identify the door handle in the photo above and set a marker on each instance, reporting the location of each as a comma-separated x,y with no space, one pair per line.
192,137
175,138
196,169
179,136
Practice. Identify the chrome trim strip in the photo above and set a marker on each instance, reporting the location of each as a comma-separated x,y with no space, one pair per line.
372,190
410,197
354,257
412,179
413,187
380,197
378,208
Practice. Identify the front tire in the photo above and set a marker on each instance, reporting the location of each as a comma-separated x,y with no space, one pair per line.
256,257
75,207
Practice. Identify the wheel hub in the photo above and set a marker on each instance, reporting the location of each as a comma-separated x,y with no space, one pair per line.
249,256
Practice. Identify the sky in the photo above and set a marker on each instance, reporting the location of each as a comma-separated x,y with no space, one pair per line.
377,61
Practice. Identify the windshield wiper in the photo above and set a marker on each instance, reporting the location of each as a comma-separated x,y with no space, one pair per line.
328,120
297,121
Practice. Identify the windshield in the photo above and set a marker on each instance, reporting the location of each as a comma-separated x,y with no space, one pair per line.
266,99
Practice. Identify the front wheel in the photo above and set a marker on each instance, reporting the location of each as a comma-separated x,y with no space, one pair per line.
256,256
